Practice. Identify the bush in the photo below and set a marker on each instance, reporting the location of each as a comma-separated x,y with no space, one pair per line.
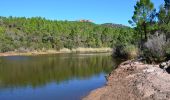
167,50
127,51
6,48
131,51
155,48
118,51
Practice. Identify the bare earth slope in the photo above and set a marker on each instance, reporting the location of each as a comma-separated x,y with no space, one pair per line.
134,81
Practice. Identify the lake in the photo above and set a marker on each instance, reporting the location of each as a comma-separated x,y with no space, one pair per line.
53,77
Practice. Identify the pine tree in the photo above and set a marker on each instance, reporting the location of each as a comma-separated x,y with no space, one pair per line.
143,17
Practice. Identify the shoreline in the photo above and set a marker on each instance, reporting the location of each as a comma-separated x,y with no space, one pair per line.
134,81
64,51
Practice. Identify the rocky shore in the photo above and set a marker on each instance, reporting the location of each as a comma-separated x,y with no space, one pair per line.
134,80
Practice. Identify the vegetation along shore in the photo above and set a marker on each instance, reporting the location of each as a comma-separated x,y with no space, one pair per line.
39,34
64,50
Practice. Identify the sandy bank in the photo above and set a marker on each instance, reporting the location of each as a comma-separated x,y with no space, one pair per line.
134,81
65,50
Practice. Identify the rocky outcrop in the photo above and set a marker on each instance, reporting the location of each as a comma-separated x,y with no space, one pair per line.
135,81
165,66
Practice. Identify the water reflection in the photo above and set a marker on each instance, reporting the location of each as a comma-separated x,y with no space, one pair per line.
40,72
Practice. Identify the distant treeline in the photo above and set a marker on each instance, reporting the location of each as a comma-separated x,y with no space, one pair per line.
27,34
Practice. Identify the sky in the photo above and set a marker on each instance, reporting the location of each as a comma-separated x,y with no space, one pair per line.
99,11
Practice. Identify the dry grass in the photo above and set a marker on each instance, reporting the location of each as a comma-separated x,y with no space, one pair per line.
64,50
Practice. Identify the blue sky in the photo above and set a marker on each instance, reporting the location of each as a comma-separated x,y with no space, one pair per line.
100,11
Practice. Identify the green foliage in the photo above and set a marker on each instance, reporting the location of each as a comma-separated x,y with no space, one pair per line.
167,50
38,33
131,51
164,19
144,17
167,4
126,51
123,44
154,34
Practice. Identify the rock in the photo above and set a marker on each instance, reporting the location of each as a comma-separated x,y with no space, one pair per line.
165,66
150,70
144,82
168,63
162,65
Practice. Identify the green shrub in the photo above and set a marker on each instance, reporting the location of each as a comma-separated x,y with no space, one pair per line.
127,51
167,50
131,51
6,48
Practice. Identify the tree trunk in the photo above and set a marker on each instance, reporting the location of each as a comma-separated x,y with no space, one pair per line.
145,31
141,43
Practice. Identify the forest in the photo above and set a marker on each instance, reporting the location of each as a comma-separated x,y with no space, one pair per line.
29,34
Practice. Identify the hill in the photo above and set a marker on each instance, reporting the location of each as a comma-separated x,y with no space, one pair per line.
36,33
115,25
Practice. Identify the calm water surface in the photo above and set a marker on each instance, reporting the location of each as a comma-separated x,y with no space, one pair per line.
53,77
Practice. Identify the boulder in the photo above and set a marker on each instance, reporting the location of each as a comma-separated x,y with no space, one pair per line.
165,66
